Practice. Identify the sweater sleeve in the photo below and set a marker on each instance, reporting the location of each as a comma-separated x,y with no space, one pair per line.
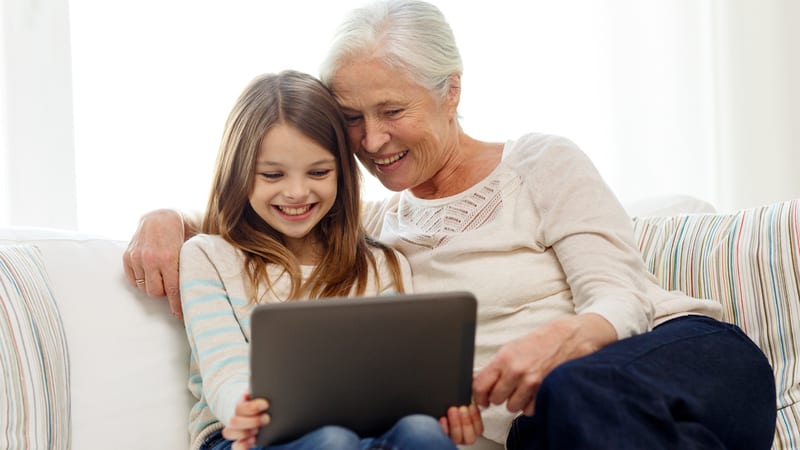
216,334
591,235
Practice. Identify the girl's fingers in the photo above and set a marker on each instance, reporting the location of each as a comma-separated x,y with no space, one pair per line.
445,426
251,407
454,421
476,419
467,428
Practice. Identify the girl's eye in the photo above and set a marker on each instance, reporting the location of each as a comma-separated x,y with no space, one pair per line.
272,175
319,173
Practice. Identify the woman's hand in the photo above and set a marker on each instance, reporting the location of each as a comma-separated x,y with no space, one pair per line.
244,425
515,373
151,260
463,424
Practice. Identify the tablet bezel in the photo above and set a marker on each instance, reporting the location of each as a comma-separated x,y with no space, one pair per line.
361,362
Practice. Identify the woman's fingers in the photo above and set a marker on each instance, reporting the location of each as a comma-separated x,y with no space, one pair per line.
523,399
482,384
151,259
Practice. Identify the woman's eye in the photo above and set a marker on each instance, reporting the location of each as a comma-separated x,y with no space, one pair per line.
352,119
394,112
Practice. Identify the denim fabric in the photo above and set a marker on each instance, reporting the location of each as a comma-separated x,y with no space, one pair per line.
415,432
691,383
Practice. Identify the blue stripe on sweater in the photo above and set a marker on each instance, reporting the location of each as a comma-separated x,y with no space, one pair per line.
224,362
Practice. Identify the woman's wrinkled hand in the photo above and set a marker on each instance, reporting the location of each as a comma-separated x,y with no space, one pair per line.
151,259
515,373
249,416
463,424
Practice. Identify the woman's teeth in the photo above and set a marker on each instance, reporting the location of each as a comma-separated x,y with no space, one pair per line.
391,159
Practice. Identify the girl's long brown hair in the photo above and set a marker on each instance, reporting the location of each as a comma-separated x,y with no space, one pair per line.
302,102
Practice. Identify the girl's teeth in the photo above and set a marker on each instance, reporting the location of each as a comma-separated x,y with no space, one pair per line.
294,211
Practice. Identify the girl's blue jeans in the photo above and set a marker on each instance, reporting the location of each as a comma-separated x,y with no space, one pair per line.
414,432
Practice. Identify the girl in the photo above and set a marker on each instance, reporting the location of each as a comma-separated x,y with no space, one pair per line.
282,224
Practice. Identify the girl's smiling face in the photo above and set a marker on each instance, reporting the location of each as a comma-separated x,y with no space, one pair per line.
294,188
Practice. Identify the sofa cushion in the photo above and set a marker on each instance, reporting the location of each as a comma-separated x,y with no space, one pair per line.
34,371
749,260
129,357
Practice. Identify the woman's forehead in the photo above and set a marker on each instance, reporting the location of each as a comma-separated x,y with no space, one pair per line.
372,83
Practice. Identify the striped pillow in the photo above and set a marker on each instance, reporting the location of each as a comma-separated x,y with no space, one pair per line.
34,371
750,261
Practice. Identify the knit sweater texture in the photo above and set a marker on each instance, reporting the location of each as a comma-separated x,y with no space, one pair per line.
216,311
541,237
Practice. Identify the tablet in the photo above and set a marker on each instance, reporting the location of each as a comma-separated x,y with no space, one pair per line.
361,363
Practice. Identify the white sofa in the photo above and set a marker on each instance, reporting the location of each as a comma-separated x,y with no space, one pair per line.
87,362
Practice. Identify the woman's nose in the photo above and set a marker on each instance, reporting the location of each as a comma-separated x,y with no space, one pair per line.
375,136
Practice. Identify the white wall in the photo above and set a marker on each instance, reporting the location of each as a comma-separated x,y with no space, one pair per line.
5,185
759,101
695,96
36,132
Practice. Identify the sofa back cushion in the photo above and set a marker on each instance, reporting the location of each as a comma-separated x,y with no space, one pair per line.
749,260
34,370
129,358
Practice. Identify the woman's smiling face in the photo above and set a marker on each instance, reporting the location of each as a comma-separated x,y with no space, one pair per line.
401,133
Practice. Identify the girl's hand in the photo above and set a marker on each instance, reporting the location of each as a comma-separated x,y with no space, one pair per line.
463,424
244,425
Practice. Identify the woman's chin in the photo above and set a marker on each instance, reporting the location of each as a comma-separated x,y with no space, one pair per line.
391,183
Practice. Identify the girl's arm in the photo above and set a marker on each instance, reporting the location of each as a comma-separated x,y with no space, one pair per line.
216,317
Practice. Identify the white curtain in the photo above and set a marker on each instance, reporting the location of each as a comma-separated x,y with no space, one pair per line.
666,96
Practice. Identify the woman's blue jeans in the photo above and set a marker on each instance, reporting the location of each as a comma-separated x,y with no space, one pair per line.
411,432
691,383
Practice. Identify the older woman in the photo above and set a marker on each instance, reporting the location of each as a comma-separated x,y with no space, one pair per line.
577,346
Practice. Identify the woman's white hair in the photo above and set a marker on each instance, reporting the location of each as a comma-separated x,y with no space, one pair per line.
408,35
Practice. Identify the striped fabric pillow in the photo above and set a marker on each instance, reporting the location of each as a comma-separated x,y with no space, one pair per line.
750,261
34,371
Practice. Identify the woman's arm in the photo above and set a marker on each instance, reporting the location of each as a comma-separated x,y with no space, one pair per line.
152,254
592,237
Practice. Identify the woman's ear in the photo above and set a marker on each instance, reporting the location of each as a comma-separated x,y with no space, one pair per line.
453,94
